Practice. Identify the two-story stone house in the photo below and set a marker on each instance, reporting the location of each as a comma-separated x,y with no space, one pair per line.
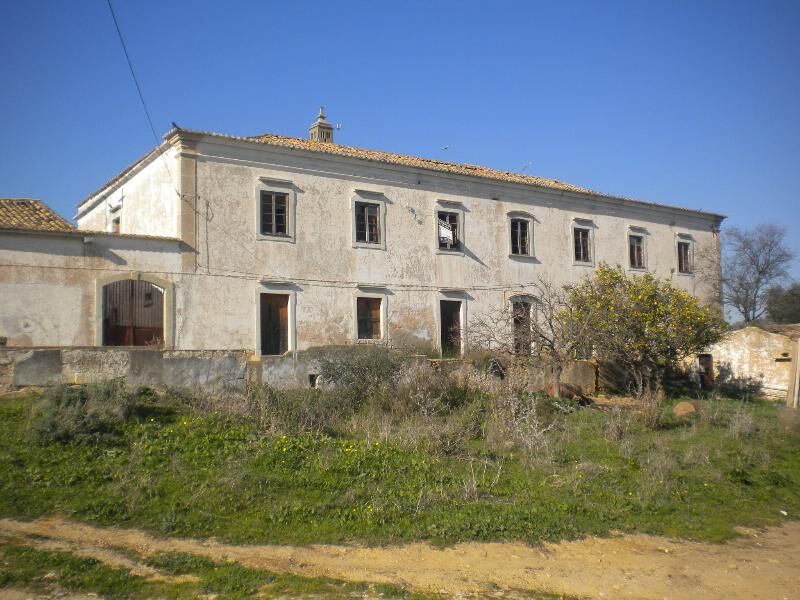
276,244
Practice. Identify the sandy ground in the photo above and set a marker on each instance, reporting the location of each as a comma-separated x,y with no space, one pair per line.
760,564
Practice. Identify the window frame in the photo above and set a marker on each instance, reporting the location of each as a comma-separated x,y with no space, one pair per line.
640,232
374,198
458,209
373,294
276,186
583,225
689,241
530,220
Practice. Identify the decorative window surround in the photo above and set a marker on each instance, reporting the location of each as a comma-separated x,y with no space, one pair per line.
640,232
530,220
583,225
383,296
375,198
278,186
456,208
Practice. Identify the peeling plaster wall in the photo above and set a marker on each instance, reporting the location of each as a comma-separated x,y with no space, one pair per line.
327,272
51,300
751,354
47,282
148,199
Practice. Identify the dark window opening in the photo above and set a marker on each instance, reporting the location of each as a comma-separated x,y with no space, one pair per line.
369,318
449,238
519,237
521,312
636,251
450,327
274,324
368,229
274,208
133,314
581,239
116,224
705,366
684,257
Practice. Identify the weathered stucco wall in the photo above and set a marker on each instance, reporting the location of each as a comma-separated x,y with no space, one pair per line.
48,282
752,354
325,272
147,199
51,301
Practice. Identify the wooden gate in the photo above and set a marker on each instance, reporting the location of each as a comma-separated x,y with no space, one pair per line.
133,314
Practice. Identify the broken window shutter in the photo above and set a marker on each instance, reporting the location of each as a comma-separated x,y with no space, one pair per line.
445,232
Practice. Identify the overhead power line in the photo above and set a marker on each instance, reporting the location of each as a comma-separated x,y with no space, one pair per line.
139,90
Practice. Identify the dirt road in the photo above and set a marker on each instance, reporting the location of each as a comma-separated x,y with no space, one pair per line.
761,564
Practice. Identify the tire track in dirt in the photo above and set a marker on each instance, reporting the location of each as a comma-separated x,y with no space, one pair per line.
761,564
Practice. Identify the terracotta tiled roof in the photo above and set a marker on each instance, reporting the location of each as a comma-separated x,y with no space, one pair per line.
31,215
396,159
414,161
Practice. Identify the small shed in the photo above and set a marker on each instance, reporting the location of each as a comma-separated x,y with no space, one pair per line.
765,358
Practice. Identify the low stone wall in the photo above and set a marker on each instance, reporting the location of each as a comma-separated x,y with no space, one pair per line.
211,370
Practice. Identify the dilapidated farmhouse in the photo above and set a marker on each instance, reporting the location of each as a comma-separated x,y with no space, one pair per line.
270,245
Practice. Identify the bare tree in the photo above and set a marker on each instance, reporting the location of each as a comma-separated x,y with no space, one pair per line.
537,327
753,261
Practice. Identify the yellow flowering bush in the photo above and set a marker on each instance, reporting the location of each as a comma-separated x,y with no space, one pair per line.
641,323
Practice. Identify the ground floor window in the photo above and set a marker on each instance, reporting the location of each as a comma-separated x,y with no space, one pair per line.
369,318
274,323
133,313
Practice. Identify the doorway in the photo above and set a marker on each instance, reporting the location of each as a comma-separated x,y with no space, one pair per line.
450,327
274,324
133,314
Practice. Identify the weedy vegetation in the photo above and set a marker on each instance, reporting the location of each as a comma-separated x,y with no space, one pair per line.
419,456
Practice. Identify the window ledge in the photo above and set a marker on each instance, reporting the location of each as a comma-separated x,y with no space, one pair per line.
370,341
260,237
453,252
639,269
524,257
578,263
370,245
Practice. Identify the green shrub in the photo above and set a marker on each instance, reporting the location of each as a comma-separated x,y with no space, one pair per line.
85,413
361,370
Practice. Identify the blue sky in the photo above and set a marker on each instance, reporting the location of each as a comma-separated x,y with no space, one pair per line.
688,103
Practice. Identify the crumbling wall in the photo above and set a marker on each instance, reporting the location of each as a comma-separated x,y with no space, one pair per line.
754,356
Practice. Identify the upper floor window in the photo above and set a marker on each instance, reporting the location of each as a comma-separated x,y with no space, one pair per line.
581,238
636,251
275,202
449,234
274,211
520,237
685,257
368,222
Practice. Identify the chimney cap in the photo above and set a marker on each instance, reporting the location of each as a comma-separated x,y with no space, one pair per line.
321,130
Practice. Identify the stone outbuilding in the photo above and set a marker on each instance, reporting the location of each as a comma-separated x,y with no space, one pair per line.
762,358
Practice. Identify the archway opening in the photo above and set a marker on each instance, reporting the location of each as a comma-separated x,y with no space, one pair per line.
133,314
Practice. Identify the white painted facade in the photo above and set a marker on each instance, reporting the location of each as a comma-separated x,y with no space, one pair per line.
224,262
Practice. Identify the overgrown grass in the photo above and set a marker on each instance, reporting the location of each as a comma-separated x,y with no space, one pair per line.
28,568
445,473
